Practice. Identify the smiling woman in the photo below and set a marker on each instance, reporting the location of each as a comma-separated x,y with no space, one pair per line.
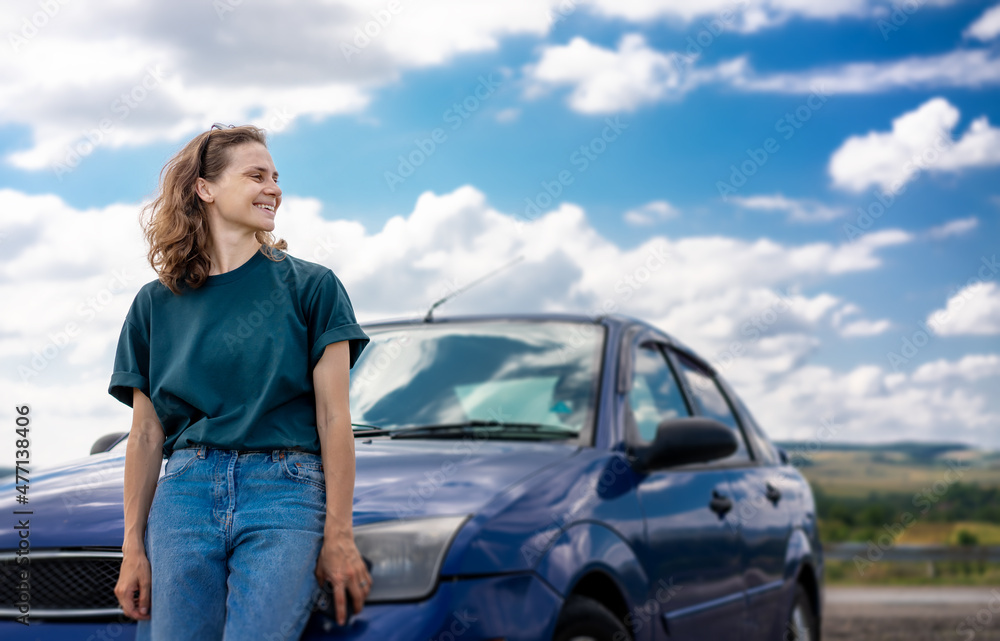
233,164
236,364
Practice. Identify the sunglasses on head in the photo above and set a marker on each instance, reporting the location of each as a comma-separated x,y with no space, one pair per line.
204,145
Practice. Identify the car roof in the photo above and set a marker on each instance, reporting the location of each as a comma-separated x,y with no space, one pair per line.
616,321
517,316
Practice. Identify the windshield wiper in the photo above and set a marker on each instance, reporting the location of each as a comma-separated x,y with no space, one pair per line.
506,429
361,429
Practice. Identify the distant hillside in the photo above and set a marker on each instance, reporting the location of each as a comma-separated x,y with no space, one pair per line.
902,451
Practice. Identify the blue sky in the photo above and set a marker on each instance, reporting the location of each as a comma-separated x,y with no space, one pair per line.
865,97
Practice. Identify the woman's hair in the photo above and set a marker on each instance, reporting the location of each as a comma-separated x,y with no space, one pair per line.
177,225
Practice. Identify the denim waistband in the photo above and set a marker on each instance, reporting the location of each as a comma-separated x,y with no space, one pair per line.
276,455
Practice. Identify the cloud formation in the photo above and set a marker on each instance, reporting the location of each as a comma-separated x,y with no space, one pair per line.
651,213
957,227
739,303
605,81
986,27
968,68
973,310
920,140
806,211
113,74
740,15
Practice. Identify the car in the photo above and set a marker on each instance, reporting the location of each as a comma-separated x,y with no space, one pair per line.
519,476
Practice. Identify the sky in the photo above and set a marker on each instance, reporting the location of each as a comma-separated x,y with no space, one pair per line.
804,193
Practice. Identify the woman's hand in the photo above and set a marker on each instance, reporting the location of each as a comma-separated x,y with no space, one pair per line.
143,455
341,564
135,575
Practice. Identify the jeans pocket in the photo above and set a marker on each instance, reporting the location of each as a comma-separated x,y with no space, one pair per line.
304,467
179,462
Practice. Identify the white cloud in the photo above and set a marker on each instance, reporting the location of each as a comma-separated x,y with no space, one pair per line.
797,210
859,327
955,227
869,404
185,64
972,367
73,295
986,27
919,140
606,81
975,309
651,213
715,16
240,65
508,115
968,68
866,328
635,74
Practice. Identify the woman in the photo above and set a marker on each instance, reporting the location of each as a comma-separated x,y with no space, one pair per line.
235,362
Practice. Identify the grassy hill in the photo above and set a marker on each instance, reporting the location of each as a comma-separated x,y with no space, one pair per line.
949,494
852,470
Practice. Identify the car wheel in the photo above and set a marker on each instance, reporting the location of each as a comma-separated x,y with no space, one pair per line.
801,625
584,619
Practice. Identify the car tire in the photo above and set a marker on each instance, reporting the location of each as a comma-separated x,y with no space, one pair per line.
584,619
801,624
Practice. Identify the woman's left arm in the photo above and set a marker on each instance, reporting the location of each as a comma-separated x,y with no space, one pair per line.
339,561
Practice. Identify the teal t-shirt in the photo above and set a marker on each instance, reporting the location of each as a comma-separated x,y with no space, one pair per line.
230,364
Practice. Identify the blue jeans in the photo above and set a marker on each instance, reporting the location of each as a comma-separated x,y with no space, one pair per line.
232,539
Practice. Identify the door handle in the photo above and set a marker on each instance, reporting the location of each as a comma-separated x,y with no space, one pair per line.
720,504
772,493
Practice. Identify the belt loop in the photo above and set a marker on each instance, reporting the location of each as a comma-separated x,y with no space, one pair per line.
201,451
275,455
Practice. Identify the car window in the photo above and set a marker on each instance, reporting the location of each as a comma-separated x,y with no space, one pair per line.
654,395
503,371
711,403
526,399
762,444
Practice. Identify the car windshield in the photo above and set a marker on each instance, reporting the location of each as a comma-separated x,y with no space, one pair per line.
510,375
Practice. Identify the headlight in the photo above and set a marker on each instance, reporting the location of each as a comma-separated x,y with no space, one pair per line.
406,555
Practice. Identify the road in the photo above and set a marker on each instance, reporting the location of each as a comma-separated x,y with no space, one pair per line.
913,614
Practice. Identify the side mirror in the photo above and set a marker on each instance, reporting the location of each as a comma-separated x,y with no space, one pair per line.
681,441
783,456
105,443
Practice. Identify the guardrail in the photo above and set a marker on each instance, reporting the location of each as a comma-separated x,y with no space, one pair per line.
917,553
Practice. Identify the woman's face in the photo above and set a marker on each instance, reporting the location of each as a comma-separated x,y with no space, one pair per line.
246,196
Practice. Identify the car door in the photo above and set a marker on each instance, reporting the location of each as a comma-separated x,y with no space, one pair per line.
691,550
759,513
766,500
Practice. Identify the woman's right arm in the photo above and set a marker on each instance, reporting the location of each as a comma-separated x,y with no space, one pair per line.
143,456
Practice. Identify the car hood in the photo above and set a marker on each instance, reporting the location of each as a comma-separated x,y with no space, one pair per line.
79,504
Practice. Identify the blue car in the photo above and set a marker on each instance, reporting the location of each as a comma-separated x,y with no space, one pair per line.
519,477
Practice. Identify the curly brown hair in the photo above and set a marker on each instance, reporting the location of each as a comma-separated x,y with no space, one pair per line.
176,222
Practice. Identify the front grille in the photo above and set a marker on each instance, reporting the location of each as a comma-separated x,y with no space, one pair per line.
62,583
